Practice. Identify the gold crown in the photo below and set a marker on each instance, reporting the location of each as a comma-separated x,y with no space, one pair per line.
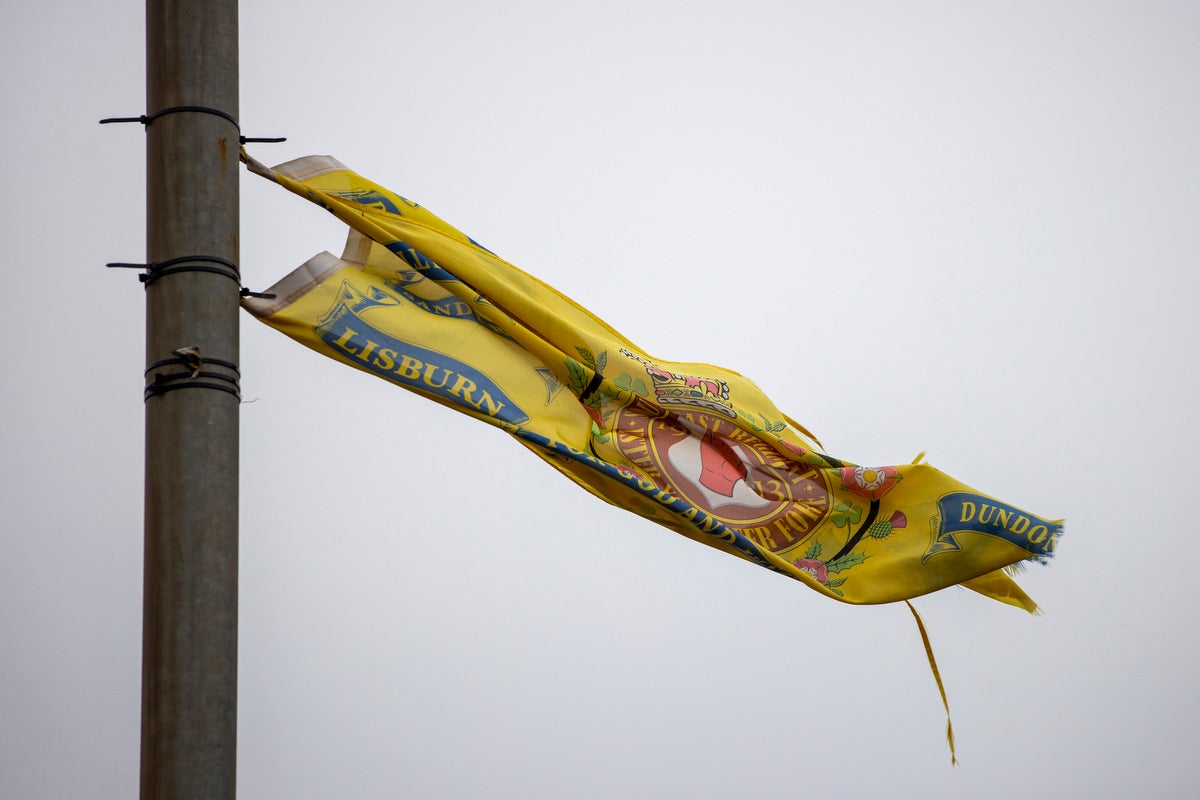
689,391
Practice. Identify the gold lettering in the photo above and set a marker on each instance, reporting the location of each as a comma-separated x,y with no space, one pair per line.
737,434
1002,518
430,371
631,442
984,517
763,535
493,408
463,387
343,342
1035,537
409,368
386,359
366,351
782,528
775,461
967,516
1020,526
771,489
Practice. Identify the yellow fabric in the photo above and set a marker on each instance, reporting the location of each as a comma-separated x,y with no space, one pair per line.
937,677
696,448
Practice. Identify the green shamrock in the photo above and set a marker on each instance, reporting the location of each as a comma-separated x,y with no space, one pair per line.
845,514
635,385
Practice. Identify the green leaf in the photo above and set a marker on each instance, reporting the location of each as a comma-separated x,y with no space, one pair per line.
771,427
622,382
587,357
813,551
639,388
835,583
602,361
577,376
599,435
847,561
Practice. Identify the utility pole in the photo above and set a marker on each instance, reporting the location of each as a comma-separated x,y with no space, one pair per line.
189,635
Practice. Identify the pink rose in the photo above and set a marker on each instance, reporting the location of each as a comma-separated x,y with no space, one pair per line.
814,567
870,482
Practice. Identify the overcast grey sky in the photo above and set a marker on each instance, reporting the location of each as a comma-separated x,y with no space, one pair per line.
964,228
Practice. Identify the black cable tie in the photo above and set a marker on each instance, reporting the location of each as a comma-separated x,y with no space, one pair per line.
146,119
183,360
195,377
156,270
159,269
170,381
160,378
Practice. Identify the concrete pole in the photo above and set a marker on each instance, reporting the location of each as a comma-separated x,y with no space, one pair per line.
189,637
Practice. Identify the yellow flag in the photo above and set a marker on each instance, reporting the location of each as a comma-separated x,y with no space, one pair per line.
696,448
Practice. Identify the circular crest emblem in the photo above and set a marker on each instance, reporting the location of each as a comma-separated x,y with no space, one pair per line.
733,475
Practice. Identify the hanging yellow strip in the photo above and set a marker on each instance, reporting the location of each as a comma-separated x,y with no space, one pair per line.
937,676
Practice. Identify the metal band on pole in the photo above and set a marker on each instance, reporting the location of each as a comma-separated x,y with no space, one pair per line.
189,639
